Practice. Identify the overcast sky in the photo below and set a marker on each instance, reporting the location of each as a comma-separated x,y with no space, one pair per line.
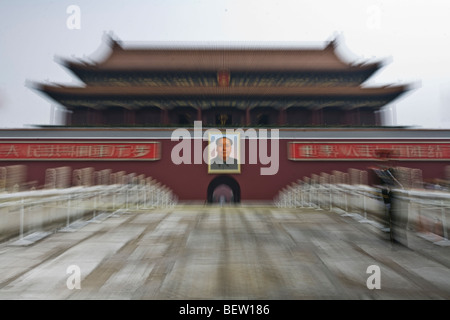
412,37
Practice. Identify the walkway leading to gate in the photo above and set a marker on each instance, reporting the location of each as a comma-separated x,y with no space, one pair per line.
223,252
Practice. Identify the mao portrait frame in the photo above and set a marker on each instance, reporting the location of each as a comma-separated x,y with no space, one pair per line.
235,153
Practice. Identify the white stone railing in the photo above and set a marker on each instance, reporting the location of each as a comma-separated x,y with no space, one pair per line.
350,198
424,212
22,213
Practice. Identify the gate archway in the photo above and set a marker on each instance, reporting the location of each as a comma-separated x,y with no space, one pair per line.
223,187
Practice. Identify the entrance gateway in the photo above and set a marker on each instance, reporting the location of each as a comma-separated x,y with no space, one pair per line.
224,189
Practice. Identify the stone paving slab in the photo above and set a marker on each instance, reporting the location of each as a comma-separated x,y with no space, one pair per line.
238,252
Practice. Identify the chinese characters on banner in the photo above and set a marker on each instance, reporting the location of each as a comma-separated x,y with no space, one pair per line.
368,150
79,151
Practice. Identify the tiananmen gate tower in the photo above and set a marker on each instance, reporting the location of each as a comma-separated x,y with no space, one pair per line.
160,112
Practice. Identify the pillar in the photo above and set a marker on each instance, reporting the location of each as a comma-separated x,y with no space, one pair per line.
68,117
130,117
164,116
248,120
282,116
317,117
348,117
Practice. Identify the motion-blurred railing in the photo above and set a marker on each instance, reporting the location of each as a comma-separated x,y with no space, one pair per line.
22,213
427,212
424,212
349,198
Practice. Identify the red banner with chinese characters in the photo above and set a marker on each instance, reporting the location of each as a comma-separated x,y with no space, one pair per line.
105,151
425,151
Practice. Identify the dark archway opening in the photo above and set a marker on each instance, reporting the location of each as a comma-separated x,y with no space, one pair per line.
223,188
223,194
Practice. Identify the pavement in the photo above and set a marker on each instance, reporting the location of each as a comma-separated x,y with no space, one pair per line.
191,252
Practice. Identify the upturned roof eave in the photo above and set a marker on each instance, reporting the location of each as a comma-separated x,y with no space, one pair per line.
195,59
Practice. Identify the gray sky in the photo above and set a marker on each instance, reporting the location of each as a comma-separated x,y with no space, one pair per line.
413,37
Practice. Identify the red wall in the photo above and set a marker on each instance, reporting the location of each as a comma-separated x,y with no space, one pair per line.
190,181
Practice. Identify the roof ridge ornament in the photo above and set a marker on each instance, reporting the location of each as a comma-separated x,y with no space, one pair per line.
112,41
332,44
